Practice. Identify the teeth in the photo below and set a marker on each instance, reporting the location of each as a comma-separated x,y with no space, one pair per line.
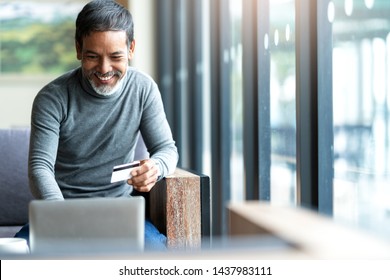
105,78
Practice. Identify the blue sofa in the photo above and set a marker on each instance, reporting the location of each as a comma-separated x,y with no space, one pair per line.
178,205
14,190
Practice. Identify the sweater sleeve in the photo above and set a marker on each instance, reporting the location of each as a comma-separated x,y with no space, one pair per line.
157,133
45,122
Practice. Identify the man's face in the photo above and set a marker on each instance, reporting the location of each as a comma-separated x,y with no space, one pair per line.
104,59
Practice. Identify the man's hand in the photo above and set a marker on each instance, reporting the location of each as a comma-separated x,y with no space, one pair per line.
145,176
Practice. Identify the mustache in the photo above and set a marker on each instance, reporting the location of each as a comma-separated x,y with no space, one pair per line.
108,74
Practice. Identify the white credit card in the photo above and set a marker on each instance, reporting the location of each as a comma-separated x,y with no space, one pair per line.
122,172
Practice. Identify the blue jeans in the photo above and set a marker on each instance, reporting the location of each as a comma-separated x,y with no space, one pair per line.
154,240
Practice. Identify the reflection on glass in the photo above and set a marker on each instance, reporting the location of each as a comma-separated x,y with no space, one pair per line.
348,7
266,41
288,32
361,93
276,38
283,120
370,3
331,11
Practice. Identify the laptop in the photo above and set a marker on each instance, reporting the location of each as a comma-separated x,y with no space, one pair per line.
87,226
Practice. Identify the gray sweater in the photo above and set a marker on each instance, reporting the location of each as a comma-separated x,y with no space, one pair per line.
77,136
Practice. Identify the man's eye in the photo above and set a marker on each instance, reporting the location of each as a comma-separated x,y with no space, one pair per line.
92,56
117,57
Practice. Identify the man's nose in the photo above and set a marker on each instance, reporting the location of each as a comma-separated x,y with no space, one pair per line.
104,65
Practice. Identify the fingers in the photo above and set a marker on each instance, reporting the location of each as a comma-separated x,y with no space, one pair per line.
144,177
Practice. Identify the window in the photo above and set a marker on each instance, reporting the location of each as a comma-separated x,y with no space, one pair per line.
361,109
236,102
298,103
281,44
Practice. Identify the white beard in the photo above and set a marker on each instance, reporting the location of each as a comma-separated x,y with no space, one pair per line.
103,90
106,90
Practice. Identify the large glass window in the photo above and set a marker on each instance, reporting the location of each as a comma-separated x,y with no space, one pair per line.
281,43
252,105
361,96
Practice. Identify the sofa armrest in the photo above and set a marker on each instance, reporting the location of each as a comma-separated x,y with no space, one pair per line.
179,206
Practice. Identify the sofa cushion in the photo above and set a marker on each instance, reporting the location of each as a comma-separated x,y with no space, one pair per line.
14,189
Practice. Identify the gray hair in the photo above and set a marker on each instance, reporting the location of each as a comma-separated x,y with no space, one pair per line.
103,15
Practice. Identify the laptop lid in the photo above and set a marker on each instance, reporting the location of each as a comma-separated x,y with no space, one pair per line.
85,226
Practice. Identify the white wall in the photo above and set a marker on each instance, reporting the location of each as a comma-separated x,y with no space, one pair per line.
16,96
144,35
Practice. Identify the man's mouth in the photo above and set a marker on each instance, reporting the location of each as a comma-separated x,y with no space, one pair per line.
105,78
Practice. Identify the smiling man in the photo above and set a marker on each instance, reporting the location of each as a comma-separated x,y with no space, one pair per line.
89,119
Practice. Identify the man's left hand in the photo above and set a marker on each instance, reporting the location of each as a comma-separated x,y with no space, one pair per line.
145,176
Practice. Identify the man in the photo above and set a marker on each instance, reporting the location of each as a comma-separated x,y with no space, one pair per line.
88,120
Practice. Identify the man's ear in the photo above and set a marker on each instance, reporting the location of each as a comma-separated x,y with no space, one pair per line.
79,51
131,50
